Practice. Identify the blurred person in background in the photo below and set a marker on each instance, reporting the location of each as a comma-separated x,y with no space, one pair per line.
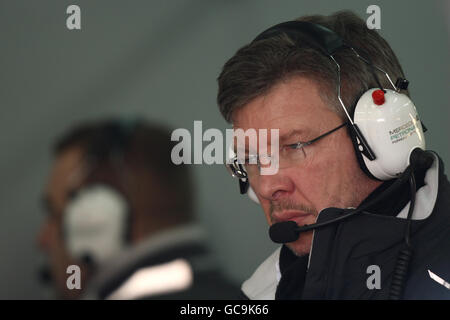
123,212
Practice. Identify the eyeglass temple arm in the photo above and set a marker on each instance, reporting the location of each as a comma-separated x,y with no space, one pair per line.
325,134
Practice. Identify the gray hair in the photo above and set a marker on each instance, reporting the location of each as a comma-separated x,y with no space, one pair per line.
258,66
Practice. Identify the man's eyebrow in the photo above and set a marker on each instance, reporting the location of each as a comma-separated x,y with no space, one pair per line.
283,138
290,134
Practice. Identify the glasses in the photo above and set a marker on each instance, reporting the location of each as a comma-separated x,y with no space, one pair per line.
288,156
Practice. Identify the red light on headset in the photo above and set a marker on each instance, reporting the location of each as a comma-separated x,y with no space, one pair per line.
378,97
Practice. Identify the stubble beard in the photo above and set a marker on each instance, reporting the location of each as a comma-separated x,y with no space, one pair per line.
302,245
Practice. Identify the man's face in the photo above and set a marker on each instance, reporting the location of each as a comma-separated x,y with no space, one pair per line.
65,177
69,172
327,176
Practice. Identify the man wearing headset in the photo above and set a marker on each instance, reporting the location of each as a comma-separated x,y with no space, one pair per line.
123,212
372,236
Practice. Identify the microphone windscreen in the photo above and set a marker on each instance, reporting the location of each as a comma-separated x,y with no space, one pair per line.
284,232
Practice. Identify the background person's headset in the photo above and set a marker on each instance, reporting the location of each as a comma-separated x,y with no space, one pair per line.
386,132
96,220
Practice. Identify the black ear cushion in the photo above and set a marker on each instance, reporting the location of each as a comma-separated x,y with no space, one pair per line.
358,153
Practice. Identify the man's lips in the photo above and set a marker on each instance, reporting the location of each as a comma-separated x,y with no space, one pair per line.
297,216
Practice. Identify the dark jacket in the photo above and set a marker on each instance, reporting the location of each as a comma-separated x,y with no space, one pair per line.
174,264
344,254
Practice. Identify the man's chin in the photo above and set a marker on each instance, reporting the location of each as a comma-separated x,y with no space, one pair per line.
302,246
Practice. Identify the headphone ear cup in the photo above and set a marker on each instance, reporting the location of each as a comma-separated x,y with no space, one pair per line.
392,129
95,223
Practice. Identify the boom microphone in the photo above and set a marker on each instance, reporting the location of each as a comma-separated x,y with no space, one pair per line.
288,231
284,232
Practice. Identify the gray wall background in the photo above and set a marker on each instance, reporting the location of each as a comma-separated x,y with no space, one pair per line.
160,59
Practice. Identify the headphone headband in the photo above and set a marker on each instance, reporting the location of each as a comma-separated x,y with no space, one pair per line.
315,35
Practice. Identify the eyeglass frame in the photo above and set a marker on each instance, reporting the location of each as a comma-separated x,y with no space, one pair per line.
237,170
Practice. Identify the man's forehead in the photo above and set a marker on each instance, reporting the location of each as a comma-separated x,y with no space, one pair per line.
283,118
290,96
284,122
65,173
66,162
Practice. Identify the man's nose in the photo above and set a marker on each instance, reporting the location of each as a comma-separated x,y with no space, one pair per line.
274,187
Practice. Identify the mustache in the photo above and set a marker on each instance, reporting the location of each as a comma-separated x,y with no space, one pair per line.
285,205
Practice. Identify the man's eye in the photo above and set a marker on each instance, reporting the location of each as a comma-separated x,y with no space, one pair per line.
291,146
